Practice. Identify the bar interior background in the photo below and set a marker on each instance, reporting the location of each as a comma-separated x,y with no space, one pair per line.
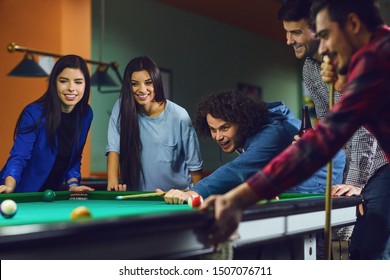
235,41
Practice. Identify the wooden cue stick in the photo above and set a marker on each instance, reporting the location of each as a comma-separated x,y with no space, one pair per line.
130,196
153,194
328,195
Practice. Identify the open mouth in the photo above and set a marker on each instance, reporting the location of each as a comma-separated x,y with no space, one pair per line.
142,96
224,145
70,97
297,46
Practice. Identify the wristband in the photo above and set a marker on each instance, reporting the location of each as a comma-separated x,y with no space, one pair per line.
73,183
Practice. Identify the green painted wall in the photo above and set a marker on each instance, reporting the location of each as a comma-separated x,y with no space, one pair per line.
204,55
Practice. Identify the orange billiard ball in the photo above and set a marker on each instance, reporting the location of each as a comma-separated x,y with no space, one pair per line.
80,213
195,201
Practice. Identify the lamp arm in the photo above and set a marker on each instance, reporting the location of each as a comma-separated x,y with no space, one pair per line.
12,47
16,48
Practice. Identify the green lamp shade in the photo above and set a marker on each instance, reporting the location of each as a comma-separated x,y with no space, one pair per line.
28,68
102,78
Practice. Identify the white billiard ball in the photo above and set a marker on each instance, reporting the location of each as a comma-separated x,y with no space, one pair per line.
8,208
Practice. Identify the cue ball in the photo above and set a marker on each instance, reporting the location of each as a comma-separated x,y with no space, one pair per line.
49,195
80,213
195,201
8,208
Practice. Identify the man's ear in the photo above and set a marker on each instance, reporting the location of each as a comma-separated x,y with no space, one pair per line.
353,24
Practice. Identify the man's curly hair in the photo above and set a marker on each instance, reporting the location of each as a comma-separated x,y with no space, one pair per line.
233,107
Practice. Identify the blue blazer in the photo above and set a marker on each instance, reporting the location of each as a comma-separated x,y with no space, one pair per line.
32,157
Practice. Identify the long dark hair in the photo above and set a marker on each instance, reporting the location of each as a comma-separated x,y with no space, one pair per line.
130,140
51,102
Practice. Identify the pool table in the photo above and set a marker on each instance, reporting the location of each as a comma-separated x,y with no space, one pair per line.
148,228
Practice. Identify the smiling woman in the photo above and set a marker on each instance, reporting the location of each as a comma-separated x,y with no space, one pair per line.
50,133
151,140
70,87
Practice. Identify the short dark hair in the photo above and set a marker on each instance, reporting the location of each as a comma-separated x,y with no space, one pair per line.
295,10
338,10
234,107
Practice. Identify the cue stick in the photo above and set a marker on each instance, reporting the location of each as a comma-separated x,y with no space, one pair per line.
328,196
153,194
130,196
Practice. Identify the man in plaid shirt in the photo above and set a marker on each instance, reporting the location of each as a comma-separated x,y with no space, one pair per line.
364,155
354,36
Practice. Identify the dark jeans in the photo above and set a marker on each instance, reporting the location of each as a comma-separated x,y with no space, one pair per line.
371,235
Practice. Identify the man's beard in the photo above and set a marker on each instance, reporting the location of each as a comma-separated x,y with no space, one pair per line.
343,70
313,48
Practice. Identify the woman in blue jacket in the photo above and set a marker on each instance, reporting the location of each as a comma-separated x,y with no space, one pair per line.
257,131
50,133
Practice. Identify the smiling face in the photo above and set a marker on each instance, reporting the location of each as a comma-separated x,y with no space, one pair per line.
70,88
334,42
142,86
224,133
301,38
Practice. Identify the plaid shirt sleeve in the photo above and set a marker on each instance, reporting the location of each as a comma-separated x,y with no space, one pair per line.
364,155
360,153
365,101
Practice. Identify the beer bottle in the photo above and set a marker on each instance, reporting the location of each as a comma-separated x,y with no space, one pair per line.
306,124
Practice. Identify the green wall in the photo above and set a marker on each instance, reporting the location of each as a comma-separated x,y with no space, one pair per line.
204,55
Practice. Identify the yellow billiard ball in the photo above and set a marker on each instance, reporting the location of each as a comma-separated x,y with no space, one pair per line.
80,213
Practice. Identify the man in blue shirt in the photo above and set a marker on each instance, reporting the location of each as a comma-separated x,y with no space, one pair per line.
257,131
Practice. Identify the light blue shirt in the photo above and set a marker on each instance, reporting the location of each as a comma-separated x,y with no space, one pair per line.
170,147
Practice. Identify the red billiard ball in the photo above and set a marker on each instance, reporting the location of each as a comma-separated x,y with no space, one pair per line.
8,208
195,201
49,195
80,213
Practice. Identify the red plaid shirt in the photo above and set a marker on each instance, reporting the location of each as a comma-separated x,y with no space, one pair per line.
365,101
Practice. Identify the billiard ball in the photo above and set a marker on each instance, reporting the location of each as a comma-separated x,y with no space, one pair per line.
49,195
80,213
195,201
8,208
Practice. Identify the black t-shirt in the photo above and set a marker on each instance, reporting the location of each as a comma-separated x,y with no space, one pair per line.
65,136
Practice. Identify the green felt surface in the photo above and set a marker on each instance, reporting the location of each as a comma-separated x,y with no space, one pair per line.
102,204
32,209
292,197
